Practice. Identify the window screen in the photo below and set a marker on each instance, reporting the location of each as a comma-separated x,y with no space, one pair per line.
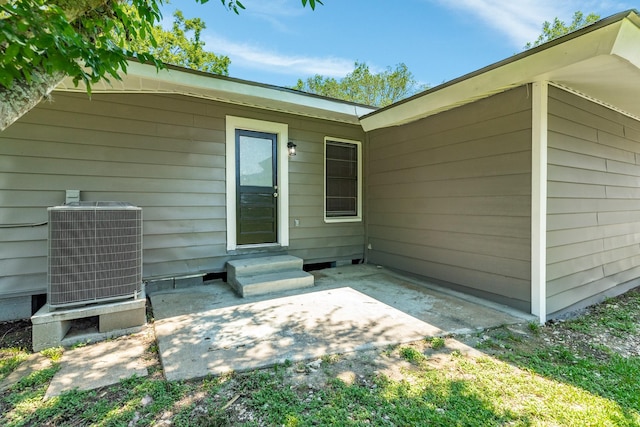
341,171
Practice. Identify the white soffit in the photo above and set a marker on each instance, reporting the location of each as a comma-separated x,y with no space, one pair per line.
612,80
602,64
143,78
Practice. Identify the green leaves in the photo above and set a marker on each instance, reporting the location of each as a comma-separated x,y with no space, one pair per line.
233,5
558,28
42,36
181,46
236,6
312,3
364,87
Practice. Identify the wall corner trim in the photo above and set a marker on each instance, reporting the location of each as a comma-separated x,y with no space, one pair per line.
539,133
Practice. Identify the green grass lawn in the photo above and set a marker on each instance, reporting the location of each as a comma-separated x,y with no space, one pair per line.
528,378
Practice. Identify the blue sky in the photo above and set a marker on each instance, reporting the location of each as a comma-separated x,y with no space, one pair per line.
279,41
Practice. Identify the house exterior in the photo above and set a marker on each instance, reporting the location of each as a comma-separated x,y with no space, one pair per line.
167,142
519,183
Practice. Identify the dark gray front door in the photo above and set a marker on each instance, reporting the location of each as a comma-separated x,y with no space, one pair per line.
256,187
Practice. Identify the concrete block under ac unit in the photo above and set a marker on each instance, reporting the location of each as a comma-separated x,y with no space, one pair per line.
50,327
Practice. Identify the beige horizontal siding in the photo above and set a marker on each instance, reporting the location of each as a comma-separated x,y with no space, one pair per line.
482,225
455,240
314,240
449,197
508,290
500,165
164,153
593,228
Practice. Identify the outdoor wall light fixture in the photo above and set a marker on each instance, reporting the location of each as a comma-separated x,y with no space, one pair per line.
292,148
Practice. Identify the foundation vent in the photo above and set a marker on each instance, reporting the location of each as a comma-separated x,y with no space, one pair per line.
95,253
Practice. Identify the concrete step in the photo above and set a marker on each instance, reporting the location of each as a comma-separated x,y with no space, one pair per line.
262,284
258,276
263,265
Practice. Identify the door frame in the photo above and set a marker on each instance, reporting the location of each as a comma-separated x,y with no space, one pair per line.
281,130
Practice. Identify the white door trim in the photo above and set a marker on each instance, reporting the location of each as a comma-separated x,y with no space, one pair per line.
282,131
539,134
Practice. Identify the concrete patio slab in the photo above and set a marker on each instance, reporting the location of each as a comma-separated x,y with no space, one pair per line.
210,330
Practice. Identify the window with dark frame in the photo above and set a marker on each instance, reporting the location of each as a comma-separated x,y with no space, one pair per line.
341,175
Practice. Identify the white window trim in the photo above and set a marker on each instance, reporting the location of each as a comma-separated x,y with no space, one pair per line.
333,219
282,131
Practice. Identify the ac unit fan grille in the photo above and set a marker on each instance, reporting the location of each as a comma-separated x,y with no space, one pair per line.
95,254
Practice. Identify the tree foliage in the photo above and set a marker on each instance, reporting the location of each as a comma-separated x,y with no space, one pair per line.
364,87
558,28
82,39
182,46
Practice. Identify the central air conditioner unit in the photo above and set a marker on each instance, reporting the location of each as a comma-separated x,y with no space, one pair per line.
95,253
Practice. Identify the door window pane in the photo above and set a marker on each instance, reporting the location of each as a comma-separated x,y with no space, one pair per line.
256,161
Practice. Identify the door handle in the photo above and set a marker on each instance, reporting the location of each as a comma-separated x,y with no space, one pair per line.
275,194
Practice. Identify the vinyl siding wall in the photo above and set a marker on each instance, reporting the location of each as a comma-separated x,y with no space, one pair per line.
165,154
449,197
593,224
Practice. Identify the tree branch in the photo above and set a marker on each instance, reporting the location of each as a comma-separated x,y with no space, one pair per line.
23,96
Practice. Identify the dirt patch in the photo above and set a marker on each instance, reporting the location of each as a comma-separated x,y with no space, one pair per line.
588,332
15,334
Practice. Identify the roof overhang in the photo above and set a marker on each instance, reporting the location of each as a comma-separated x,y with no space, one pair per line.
600,62
145,78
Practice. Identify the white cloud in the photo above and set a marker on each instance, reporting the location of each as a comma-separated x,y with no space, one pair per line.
250,56
521,20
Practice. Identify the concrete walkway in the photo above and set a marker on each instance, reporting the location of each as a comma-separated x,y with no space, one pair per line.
209,330
98,365
89,367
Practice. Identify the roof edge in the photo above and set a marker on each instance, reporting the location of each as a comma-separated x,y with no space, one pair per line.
145,78
259,84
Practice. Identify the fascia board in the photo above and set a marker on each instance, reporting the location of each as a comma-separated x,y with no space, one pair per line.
144,78
522,69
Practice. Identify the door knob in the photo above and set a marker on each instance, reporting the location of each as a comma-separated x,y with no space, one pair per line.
275,194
